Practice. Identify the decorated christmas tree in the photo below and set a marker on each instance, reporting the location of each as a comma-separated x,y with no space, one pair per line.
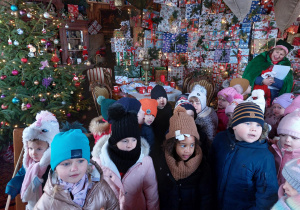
31,77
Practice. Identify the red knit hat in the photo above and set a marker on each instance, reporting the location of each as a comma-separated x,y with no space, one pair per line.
149,106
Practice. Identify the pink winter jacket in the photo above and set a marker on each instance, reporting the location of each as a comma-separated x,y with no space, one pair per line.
138,188
281,158
222,120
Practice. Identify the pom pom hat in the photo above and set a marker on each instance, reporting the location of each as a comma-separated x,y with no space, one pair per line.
199,92
247,112
228,93
149,106
294,105
104,103
291,172
69,145
238,98
182,123
44,128
158,91
290,124
130,104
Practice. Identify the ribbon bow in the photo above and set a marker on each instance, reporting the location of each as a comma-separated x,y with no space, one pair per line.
267,30
131,50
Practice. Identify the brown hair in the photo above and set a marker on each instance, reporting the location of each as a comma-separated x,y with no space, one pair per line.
194,99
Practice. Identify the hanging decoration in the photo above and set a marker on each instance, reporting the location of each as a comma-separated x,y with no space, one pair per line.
15,72
47,81
20,31
15,100
44,64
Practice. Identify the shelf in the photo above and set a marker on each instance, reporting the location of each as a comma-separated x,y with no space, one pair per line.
75,50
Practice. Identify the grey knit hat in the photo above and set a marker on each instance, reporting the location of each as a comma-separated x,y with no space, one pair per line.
291,173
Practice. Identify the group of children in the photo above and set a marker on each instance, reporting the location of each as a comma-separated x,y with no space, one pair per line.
149,156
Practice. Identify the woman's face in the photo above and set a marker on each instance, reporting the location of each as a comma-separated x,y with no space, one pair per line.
278,55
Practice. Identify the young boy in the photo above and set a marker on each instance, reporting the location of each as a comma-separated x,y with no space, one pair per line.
149,106
243,167
207,118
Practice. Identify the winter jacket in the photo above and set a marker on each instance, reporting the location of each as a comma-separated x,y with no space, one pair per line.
245,173
272,120
222,120
288,203
147,133
207,119
98,197
99,127
138,187
13,187
191,193
282,156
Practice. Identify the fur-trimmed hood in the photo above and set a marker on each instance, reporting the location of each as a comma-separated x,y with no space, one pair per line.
98,126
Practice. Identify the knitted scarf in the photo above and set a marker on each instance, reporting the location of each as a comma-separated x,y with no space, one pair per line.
124,159
285,203
78,190
183,169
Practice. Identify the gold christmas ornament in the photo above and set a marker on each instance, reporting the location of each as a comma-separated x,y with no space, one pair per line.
36,82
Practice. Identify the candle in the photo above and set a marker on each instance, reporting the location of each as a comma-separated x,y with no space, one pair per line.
162,78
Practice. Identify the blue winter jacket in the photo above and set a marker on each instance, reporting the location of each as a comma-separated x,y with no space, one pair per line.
14,186
245,173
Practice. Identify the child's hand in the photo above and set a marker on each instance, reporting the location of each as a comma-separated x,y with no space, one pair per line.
268,82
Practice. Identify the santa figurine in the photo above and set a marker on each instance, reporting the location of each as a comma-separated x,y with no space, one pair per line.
267,74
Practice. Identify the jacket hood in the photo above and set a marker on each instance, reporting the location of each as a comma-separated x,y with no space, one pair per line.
98,126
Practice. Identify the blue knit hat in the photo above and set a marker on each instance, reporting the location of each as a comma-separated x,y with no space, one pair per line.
247,112
68,145
130,104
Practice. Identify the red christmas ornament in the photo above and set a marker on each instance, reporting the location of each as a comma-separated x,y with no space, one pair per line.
43,40
15,72
3,77
55,65
60,50
85,53
77,84
4,106
69,61
55,58
75,78
24,60
22,82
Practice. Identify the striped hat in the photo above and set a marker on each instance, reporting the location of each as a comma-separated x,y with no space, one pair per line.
247,112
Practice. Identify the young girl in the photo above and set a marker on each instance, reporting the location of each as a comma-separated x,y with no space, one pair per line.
294,105
36,160
288,147
274,114
238,98
183,174
70,184
125,162
289,192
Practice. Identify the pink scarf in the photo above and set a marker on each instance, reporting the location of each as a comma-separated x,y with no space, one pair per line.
78,190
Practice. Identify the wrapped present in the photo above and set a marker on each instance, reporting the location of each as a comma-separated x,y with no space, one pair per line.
172,3
122,44
291,38
255,13
184,25
231,44
176,72
138,35
265,34
118,33
192,11
206,23
239,56
129,71
183,3
135,18
194,59
125,27
153,40
244,39
155,63
94,27
296,41
222,56
139,54
262,45
207,59
73,10
195,41
125,58
294,55
175,42
264,25
147,21
233,33
192,25
171,19
180,59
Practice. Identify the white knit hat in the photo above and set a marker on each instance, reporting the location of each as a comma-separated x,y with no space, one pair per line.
44,128
199,92
291,173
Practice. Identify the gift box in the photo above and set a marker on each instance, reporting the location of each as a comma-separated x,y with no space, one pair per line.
129,71
262,45
153,40
147,21
121,44
172,3
222,56
125,58
291,38
180,59
255,12
125,27
135,18
294,55
296,41
175,42
265,30
195,41
176,72
244,39
94,27
73,9
183,3
207,60
118,33
194,59
192,11
138,34
140,53
239,56
184,25
171,19
192,25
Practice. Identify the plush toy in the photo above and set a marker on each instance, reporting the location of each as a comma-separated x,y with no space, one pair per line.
257,97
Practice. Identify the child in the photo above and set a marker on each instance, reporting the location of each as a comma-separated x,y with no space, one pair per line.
36,160
238,98
225,97
149,106
274,114
164,113
99,126
183,174
294,105
266,60
269,75
242,86
70,184
244,168
288,146
207,118
289,192
125,162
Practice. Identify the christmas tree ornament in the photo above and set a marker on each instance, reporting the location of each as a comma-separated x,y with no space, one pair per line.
42,100
44,64
20,31
3,96
3,106
68,115
66,26
24,60
9,42
22,82
3,77
15,72
36,82
71,92
44,31
60,50
48,44
55,58
55,41
47,81
23,107
63,103
75,78
31,54
88,63
69,61
22,12
16,43
14,8
77,84
46,15
28,105
29,15
85,53
53,84
15,100
43,41
55,65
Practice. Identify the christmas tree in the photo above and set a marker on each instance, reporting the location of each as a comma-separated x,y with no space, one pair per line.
31,78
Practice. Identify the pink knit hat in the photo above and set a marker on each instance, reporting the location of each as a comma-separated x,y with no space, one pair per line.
238,98
290,124
294,105
228,93
284,100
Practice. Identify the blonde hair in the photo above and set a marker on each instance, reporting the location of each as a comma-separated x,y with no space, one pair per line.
194,99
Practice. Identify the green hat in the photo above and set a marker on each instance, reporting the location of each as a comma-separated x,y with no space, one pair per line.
69,145
105,104
284,45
